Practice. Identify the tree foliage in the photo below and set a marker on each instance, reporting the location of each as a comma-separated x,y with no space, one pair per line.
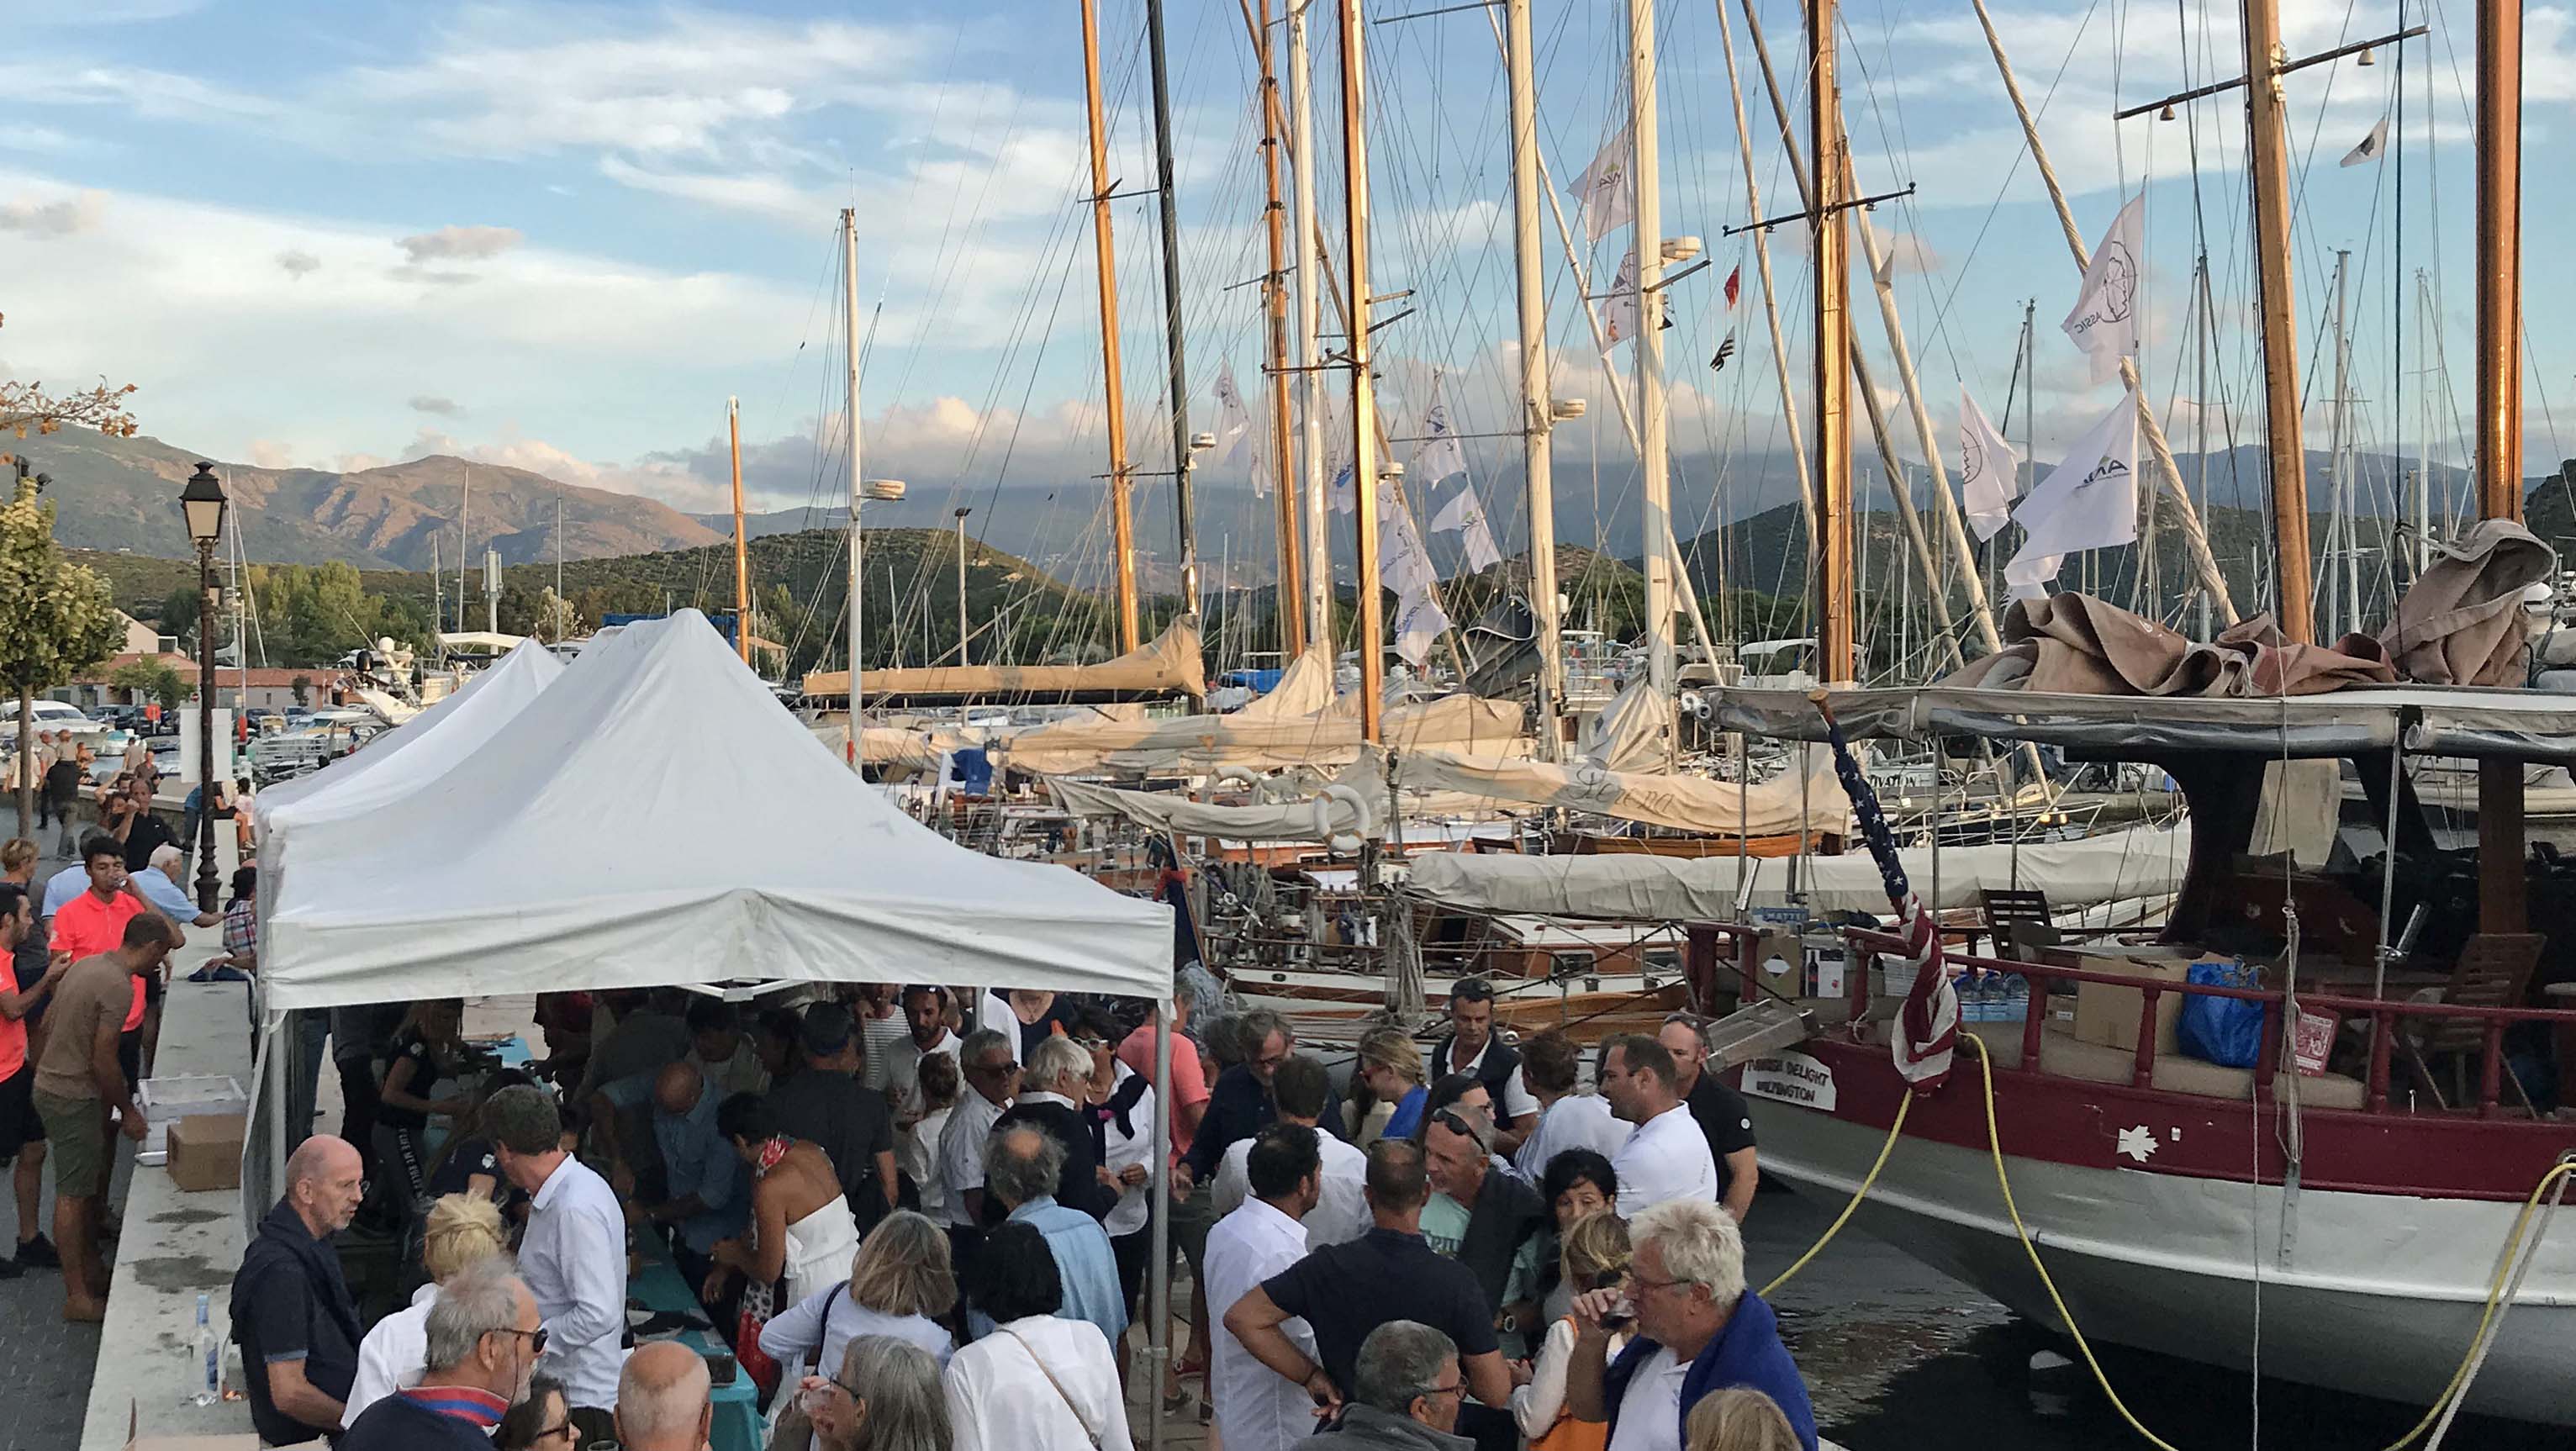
152,678
314,614
56,618
27,408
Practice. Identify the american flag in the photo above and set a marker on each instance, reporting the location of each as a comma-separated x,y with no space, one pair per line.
1928,1026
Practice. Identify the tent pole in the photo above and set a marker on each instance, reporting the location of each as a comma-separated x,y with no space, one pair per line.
271,1022
1158,1334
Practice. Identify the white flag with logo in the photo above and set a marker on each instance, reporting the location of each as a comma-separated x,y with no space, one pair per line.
2089,501
1619,315
1442,454
2371,145
1419,622
2104,322
1233,423
1989,474
1465,515
1345,499
1403,565
1609,203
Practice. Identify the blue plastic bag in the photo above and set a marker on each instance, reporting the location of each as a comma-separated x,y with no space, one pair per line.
2225,1031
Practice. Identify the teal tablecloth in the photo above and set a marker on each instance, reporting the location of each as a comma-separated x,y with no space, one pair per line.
658,1286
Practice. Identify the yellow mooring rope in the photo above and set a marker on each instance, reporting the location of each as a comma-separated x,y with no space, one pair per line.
2459,1377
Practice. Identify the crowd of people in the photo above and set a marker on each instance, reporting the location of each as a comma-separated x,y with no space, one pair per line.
922,1219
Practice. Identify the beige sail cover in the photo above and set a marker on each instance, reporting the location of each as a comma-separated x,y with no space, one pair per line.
1167,665
2461,624
1299,723
1261,821
1629,733
1682,803
2142,861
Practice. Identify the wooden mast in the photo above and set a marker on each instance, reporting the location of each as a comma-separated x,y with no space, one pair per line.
1104,253
1537,405
1287,599
2268,172
1833,583
1654,462
2501,882
741,543
1364,445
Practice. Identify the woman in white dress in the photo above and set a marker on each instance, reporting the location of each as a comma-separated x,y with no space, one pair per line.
802,1235
1037,1383
463,1229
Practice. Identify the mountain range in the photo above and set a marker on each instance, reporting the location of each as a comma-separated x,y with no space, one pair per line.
121,495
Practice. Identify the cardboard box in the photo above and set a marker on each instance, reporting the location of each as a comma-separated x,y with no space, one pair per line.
2107,1013
206,1151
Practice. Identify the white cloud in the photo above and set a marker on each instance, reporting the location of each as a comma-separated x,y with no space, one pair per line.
463,244
268,453
60,217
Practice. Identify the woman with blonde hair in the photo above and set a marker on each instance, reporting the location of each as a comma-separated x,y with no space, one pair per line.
1740,1419
1595,1257
1390,1069
463,1230
900,1281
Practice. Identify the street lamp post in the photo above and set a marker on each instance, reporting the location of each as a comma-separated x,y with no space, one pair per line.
202,502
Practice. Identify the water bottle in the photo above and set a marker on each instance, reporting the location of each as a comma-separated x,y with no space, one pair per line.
210,1359
2016,998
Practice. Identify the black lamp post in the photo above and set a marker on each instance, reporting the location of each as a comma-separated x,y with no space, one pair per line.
202,501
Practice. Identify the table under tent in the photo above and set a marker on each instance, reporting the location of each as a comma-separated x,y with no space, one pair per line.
649,817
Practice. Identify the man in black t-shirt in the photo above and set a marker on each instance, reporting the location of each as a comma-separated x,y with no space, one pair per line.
145,832
1344,1291
1721,1113
824,1104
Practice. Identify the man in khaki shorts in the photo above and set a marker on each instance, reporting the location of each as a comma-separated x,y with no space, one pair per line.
77,1077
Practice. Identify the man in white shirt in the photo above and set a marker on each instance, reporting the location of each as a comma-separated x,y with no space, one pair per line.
573,1257
1257,1409
1341,1214
1566,1119
1667,1156
925,1020
991,1078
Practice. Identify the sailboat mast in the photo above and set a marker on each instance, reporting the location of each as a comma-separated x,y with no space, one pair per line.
464,539
1183,509
741,545
2501,882
1364,446
1537,409
2343,552
1833,583
850,413
1104,253
1654,464
1287,598
2268,172
1310,321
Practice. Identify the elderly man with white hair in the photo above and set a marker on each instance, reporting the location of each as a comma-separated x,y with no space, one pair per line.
1055,1085
1698,1330
159,884
1021,1164
483,1334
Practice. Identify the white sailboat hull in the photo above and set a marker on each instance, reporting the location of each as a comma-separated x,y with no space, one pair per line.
2379,1295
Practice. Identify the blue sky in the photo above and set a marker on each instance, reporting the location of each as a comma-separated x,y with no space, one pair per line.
560,235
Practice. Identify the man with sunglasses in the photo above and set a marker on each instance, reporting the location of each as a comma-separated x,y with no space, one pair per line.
992,1078
1408,1392
484,1339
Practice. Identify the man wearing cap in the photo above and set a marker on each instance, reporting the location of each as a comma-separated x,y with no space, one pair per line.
825,1104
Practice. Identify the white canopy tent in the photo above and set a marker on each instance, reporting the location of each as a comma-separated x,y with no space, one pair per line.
426,747
653,818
